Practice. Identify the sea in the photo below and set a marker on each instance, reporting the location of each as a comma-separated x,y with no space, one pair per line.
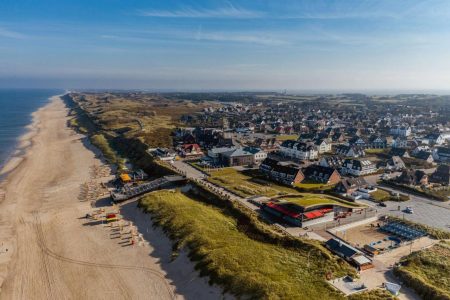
16,107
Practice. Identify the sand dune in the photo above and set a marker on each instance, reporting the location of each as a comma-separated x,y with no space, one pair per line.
49,251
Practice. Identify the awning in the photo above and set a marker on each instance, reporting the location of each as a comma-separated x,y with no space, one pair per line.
283,210
313,214
125,177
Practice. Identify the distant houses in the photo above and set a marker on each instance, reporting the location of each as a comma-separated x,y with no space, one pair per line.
413,178
349,151
401,131
441,175
442,154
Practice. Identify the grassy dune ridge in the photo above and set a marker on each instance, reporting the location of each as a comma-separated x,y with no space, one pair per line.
242,265
428,272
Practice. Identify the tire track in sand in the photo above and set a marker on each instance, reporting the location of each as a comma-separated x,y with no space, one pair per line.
47,251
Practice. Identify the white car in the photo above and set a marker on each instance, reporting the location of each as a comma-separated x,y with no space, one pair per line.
409,210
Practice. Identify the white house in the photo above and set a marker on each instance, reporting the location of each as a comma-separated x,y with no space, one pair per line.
299,150
259,155
323,146
401,131
435,139
358,167
400,142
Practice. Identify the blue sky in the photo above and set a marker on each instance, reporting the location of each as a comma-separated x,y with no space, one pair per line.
189,45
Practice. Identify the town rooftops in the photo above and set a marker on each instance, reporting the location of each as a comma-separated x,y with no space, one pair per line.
312,170
352,183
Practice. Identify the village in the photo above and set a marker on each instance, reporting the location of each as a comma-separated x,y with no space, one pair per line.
366,180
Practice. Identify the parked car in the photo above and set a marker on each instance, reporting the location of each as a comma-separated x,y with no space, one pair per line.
409,210
382,204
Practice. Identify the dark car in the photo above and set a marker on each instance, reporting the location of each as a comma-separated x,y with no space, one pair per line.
382,204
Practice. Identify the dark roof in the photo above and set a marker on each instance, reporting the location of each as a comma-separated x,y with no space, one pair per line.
398,152
313,170
356,182
298,145
411,176
422,155
441,175
340,248
334,161
274,165
443,150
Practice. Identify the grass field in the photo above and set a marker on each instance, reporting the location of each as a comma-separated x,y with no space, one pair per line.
246,185
284,137
375,151
428,271
381,195
306,200
243,266
311,186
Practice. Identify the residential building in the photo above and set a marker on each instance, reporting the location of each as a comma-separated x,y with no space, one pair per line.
351,185
331,161
349,151
190,151
216,153
400,152
377,142
238,157
401,131
424,155
299,150
441,175
442,154
323,146
435,139
395,163
413,177
321,174
358,142
400,142
357,167
283,173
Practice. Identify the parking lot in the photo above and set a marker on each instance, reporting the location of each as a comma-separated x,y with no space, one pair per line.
428,212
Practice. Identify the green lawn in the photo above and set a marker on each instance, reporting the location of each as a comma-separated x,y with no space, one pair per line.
311,186
381,195
306,200
245,185
243,266
375,151
284,137
428,271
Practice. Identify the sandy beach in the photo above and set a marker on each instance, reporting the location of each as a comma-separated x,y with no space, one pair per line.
50,251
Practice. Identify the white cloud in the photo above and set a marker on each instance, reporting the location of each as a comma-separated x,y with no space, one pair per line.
224,12
240,38
10,34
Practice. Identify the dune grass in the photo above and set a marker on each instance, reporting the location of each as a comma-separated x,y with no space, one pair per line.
243,266
306,200
428,271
